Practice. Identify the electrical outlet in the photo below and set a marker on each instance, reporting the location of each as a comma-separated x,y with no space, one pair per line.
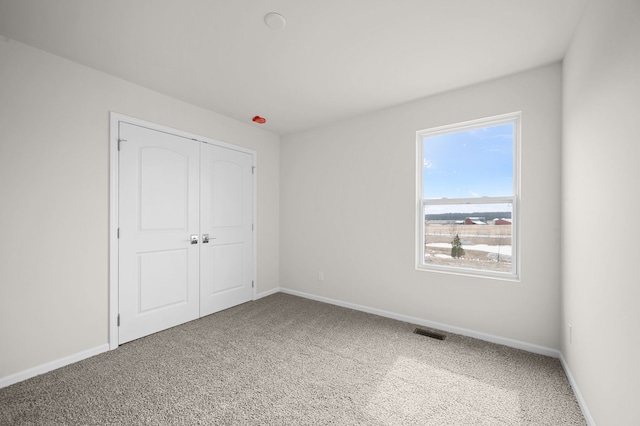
320,276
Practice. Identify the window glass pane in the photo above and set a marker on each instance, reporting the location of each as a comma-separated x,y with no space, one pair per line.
469,163
469,236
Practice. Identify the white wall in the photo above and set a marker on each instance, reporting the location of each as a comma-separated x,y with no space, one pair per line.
54,177
600,202
348,210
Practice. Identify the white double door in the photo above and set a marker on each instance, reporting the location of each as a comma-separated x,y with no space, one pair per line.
185,230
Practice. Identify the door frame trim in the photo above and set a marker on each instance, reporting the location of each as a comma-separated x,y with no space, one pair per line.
114,119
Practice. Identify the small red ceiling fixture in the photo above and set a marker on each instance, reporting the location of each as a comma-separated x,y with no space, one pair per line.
259,120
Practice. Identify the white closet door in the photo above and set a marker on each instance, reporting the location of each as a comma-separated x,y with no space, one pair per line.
158,214
226,213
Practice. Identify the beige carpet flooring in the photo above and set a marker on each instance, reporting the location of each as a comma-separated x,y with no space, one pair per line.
284,360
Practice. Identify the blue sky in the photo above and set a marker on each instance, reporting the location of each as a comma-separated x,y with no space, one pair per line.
469,164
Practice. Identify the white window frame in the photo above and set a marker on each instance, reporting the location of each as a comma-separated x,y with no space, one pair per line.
513,199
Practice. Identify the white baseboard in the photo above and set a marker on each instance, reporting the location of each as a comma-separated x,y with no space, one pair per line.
529,347
50,366
267,293
581,402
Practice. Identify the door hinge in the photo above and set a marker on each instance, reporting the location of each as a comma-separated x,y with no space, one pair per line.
118,320
253,170
118,233
119,141
252,284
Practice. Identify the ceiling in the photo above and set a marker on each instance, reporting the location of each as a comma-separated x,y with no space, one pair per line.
334,59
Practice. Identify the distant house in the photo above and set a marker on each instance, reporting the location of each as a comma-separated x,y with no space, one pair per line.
474,221
502,221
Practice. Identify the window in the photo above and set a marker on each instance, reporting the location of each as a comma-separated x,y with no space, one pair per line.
468,197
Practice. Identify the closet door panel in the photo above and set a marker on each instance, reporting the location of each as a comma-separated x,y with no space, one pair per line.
158,212
226,215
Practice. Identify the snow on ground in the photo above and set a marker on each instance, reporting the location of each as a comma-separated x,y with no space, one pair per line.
442,256
479,247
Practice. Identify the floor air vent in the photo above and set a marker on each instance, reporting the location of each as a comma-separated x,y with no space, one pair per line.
432,334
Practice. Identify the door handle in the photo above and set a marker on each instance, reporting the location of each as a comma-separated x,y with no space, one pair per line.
205,238
194,239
